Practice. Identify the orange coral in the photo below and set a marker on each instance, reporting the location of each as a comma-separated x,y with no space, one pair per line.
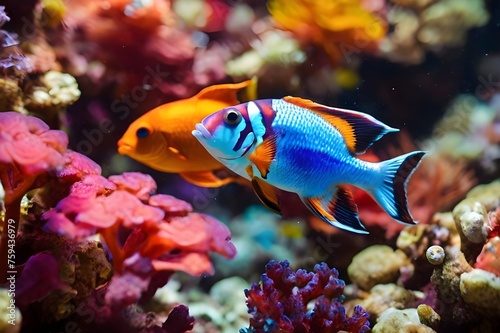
338,26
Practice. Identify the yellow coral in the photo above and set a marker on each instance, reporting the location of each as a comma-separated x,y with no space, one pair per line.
54,11
337,26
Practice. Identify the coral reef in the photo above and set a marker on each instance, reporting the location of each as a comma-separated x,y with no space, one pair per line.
334,26
149,236
421,26
471,218
158,232
93,243
280,303
32,81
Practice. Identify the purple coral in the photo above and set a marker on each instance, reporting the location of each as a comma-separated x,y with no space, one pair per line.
178,321
279,304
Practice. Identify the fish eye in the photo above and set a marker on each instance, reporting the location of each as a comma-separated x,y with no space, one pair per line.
142,133
232,117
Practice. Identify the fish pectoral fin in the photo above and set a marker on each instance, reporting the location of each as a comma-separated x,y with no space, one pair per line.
359,130
264,155
177,153
205,179
267,194
249,170
226,92
340,211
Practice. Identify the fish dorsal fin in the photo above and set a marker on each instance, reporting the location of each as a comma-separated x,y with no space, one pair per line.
226,92
359,130
339,211
267,194
263,155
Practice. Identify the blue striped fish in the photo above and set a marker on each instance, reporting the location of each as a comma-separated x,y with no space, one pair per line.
300,146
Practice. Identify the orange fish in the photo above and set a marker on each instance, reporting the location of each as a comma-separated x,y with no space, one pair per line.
162,139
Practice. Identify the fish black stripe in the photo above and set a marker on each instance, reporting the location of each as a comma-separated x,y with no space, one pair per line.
244,133
268,114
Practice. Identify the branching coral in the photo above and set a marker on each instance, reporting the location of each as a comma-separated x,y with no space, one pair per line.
280,303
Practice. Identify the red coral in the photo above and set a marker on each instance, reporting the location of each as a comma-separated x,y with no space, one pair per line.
280,303
489,259
128,37
494,223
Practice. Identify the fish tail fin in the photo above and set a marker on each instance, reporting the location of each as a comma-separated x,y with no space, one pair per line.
337,209
391,194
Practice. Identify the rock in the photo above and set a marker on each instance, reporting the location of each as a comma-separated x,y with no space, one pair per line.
400,321
385,296
481,290
435,255
428,316
378,264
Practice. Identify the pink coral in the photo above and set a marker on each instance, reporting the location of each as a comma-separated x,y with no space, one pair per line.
149,236
118,207
76,166
29,145
183,243
171,205
96,184
139,184
28,151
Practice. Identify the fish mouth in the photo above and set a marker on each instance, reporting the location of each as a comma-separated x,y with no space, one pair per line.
124,148
201,131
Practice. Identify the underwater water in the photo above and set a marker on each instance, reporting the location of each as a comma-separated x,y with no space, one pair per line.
249,166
